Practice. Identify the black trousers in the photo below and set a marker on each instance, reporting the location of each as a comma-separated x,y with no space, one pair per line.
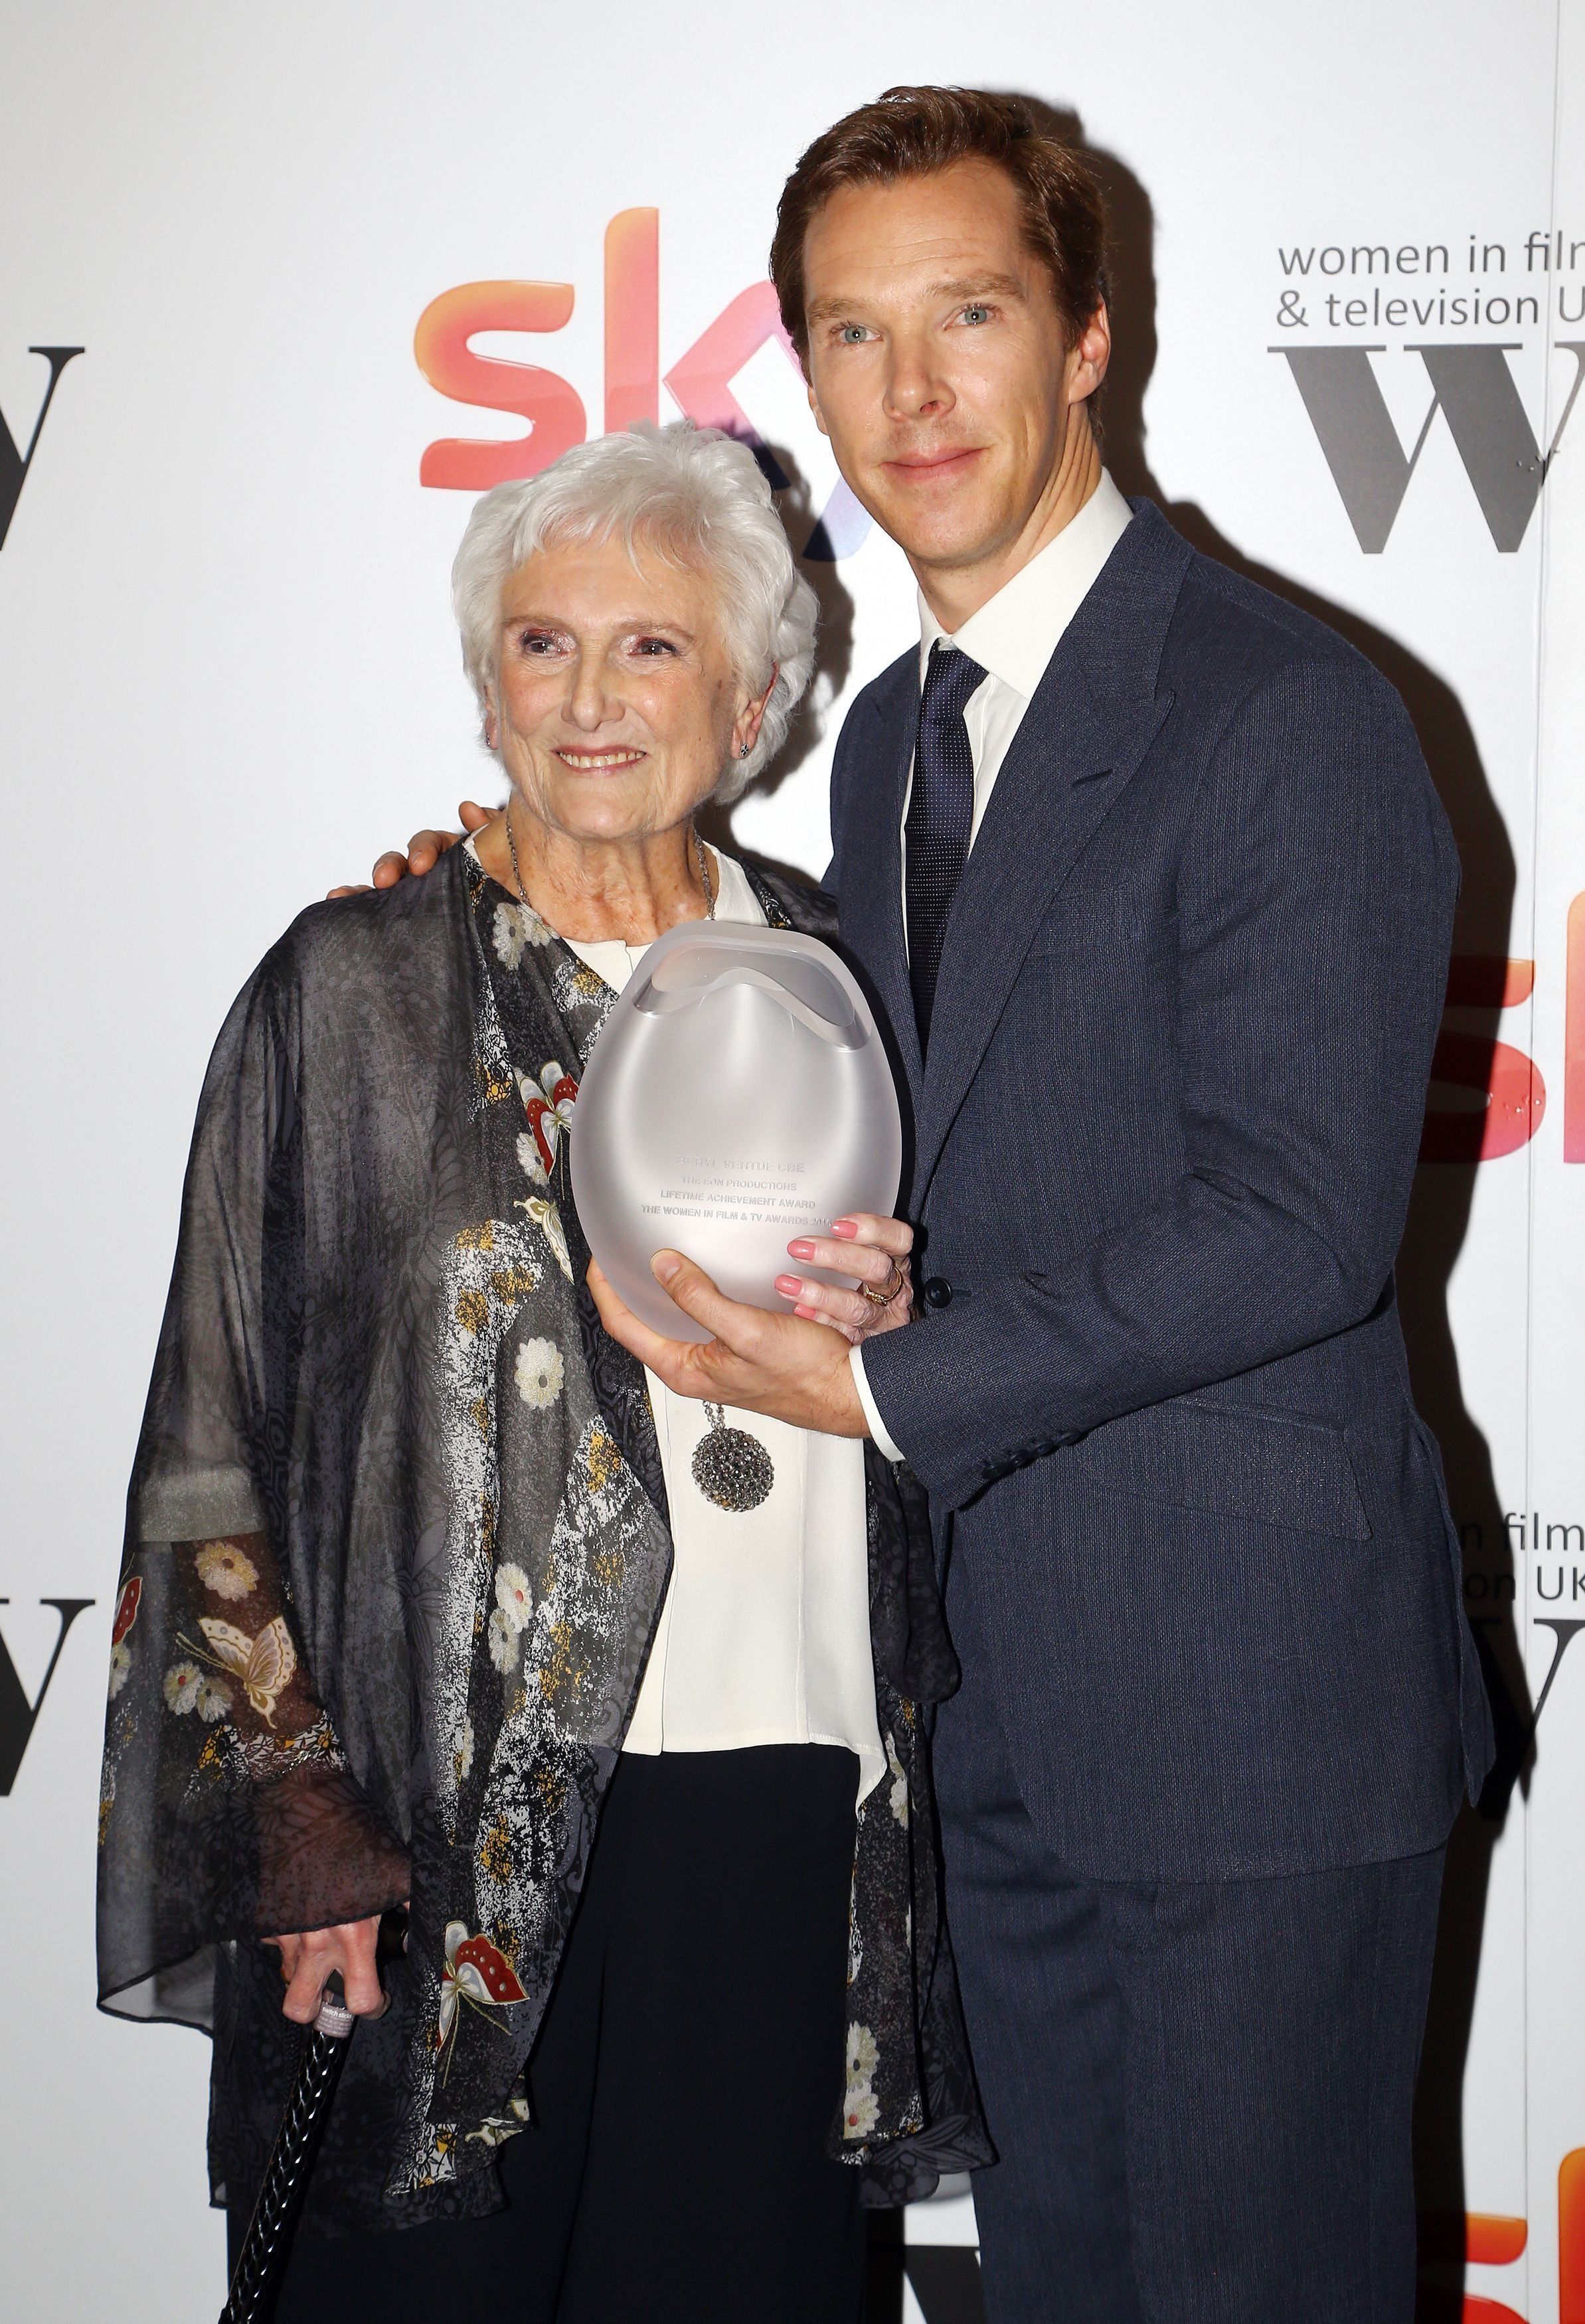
1200,2090
683,2086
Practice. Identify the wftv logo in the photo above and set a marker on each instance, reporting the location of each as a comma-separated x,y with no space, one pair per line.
1473,389
15,465
18,1715
699,383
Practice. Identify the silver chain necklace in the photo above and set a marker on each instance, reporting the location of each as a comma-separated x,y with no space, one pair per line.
522,893
730,1467
699,857
704,863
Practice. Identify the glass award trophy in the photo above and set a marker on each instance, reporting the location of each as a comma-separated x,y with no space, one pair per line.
739,1095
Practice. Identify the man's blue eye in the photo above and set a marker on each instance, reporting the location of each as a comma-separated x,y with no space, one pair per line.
853,333
976,314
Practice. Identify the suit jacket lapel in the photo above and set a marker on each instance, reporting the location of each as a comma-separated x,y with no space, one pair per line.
872,871
1091,720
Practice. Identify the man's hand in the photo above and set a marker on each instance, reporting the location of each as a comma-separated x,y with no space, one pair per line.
306,1962
424,850
790,1370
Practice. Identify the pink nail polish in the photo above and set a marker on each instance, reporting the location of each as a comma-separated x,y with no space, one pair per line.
789,1286
802,1248
846,1228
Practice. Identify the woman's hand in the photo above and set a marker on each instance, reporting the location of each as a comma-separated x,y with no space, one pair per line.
307,1961
424,851
875,1250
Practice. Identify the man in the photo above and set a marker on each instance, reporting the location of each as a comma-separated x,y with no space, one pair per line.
1149,877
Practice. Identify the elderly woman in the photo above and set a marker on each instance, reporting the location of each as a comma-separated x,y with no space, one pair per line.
422,1602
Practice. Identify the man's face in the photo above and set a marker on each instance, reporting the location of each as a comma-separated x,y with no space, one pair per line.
936,363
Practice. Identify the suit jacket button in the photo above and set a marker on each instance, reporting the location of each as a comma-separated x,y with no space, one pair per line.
937,1291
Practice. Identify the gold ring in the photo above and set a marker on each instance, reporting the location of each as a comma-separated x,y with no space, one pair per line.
881,1294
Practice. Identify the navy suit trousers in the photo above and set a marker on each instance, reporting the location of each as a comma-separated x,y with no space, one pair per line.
1200,2090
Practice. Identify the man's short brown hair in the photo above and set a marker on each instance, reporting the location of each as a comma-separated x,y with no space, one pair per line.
912,133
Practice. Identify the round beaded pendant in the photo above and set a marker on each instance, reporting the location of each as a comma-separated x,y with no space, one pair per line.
732,1468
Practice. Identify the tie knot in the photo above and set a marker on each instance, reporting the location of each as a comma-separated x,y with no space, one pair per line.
951,676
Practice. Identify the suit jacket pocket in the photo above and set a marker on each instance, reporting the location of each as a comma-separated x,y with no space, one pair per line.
1223,1461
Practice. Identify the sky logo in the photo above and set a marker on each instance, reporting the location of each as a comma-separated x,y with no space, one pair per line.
698,384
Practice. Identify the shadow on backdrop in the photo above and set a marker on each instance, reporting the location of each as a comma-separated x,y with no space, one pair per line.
834,658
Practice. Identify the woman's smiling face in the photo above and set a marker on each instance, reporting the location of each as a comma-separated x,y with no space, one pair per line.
615,707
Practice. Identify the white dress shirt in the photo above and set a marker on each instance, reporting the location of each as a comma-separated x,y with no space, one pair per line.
764,1635
1013,637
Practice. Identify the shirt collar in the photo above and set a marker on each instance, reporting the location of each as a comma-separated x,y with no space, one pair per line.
1015,633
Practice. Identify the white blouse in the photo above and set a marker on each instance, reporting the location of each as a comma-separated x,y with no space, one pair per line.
764,1635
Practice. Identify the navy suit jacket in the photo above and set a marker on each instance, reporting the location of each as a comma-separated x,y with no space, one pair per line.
1161,1155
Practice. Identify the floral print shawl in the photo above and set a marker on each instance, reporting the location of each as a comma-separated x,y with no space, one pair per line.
396,1540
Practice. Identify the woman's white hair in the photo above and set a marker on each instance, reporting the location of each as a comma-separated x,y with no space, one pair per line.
697,495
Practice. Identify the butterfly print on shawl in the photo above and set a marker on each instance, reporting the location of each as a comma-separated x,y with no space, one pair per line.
126,1608
477,1973
264,1664
549,1109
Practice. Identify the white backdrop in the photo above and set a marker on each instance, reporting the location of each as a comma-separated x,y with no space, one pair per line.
229,675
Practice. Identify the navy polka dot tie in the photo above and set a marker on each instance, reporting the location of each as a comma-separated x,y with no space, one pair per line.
940,817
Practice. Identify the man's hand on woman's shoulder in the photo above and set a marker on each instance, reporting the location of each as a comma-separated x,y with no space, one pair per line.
424,851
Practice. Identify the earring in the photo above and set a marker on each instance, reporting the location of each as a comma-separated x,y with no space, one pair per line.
743,752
